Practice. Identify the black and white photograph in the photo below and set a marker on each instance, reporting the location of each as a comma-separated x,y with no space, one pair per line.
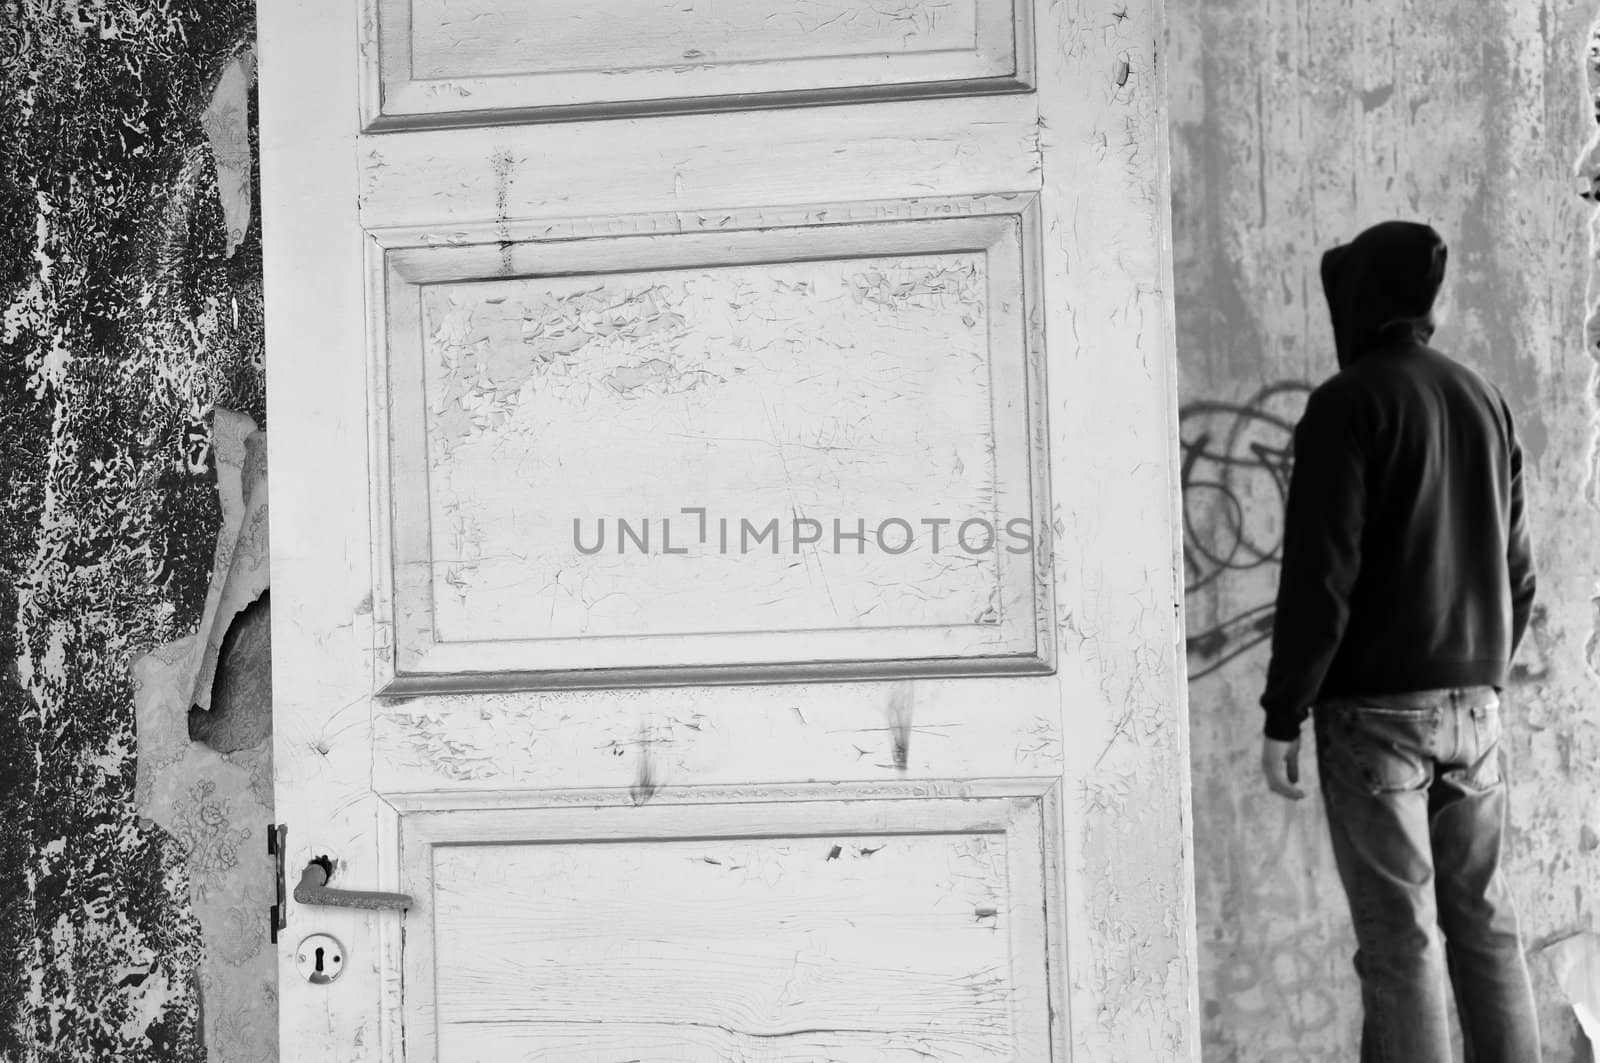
799,531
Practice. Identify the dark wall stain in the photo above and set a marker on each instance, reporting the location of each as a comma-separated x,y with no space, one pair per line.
240,716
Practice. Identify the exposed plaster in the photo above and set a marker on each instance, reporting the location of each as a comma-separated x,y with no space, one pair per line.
216,798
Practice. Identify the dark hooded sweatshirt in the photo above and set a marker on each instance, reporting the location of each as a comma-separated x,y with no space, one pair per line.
1406,558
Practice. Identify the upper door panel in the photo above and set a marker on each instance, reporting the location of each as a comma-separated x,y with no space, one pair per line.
476,62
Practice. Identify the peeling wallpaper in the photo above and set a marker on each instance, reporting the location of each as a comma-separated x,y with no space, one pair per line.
124,322
203,712
1296,123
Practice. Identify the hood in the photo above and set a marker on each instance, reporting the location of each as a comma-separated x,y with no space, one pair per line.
1382,285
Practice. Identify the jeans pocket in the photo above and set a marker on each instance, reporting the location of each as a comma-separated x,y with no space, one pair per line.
1484,770
1377,752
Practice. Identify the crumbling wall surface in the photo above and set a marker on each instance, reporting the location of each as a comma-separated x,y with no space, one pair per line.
129,310
1294,126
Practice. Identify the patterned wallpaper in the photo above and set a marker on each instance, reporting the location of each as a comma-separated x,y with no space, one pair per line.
130,312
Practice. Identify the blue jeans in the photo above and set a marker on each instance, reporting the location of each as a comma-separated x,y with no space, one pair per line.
1416,807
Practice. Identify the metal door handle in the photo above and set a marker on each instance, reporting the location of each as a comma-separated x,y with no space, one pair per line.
313,889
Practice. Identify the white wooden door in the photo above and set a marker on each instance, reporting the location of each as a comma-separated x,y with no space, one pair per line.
725,546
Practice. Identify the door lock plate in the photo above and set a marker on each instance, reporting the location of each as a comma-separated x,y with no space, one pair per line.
320,958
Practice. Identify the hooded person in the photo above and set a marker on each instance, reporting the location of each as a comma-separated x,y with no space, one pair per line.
1406,584
1382,286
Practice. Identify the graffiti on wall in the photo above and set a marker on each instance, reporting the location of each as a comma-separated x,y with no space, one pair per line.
1235,460
1268,918
1271,930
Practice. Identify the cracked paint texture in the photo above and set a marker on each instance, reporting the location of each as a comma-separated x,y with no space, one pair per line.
490,38
762,948
553,384
123,323
1295,125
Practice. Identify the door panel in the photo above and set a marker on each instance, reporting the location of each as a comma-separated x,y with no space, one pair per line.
707,929
735,784
451,61
740,454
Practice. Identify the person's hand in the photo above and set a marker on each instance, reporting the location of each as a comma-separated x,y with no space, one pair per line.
1280,763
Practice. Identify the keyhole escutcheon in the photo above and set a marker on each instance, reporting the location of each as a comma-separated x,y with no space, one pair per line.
319,959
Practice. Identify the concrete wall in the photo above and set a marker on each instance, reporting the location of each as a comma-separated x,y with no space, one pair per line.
1295,124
